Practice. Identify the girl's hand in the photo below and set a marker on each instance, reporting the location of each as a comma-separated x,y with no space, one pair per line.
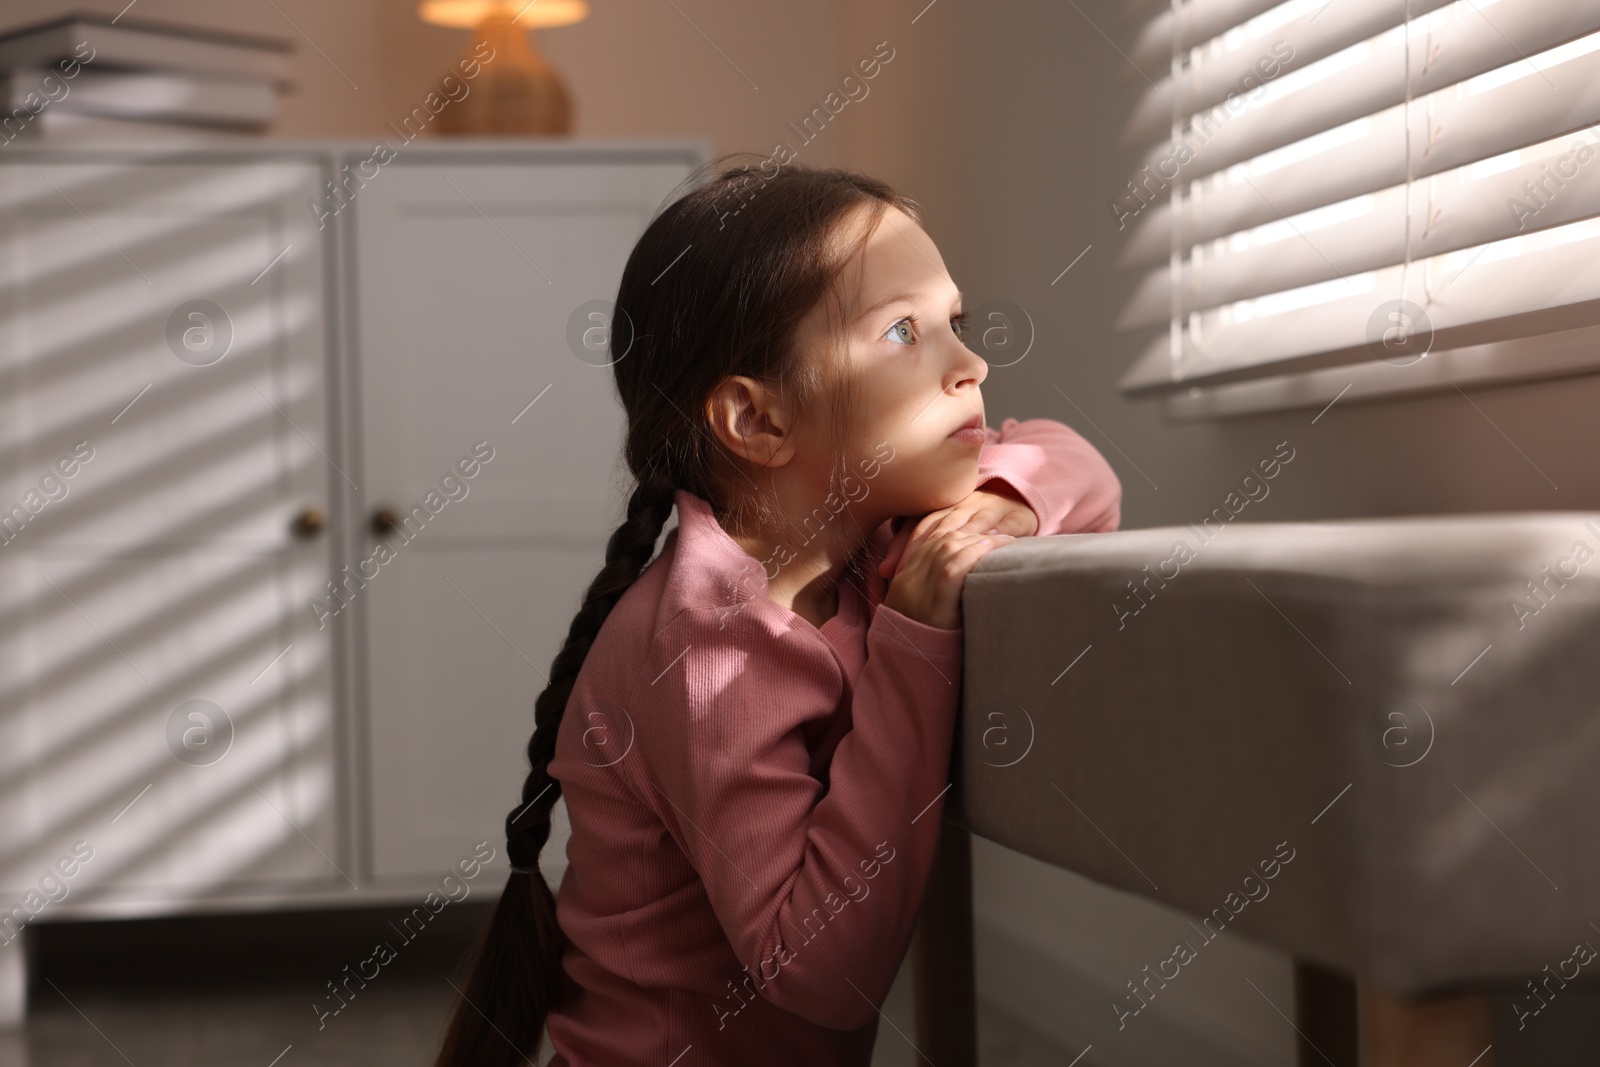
933,570
999,509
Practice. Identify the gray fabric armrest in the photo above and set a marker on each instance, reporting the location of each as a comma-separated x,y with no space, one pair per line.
1366,693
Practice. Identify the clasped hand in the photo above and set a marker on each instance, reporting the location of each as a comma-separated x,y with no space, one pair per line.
995,509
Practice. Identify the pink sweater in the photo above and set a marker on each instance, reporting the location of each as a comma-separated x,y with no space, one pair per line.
755,801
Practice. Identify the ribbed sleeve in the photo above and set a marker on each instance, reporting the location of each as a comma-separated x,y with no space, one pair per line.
816,886
1067,482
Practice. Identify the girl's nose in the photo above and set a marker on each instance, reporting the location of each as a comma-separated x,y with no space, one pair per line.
969,366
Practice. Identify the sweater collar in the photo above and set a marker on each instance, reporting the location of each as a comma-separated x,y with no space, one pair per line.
712,570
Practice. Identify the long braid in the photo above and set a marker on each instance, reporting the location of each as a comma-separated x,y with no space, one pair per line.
506,981
627,553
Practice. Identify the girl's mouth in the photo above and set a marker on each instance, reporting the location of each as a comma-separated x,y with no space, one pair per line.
970,431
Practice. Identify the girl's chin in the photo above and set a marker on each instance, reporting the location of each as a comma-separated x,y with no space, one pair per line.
940,481
957,489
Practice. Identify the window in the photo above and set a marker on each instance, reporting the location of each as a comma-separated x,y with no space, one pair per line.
1345,198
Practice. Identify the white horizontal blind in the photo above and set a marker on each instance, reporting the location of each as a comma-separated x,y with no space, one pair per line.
1343,190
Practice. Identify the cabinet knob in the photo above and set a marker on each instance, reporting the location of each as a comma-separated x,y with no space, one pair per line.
385,522
309,522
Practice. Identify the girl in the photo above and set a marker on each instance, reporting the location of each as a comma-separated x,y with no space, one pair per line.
753,729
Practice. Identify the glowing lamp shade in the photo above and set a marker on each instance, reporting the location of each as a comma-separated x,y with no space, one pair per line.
537,15
511,88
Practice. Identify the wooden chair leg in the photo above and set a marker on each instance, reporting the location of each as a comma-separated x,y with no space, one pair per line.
1454,1030
1325,1007
945,986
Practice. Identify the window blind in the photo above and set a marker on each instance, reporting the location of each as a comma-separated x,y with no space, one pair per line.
1368,195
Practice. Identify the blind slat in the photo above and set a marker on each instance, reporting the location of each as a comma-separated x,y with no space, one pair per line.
1551,355
1460,213
1311,37
1197,21
1539,292
1463,130
1468,45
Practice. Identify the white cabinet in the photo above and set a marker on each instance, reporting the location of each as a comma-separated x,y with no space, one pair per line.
470,266
162,569
238,372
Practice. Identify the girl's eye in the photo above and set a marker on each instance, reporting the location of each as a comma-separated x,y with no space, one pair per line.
904,331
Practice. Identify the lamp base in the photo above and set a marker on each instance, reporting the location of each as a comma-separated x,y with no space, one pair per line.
517,92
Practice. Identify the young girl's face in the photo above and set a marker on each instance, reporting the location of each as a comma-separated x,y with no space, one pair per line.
915,378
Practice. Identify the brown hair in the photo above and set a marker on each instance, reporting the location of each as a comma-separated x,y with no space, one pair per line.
716,285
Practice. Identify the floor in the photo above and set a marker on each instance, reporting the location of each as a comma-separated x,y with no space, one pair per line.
232,991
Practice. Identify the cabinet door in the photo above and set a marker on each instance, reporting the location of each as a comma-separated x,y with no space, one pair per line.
165,691
469,268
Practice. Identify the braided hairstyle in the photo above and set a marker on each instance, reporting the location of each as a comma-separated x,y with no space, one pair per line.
716,286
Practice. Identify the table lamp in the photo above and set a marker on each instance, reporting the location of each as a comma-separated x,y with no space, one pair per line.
516,91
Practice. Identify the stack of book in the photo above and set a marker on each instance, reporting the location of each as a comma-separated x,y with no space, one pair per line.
89,78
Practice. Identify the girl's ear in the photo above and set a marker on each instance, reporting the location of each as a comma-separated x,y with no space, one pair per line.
750,421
